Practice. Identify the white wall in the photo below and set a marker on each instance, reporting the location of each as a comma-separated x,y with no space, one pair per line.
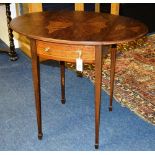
3,23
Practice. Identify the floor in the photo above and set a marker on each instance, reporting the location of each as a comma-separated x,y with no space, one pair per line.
65,127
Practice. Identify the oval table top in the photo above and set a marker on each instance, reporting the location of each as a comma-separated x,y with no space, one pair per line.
79,27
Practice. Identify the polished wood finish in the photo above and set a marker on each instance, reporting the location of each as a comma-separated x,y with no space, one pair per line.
62,70
113,51
78,27
63,52
35,7
36,83
79,6
59,35
98,81
115,8
97,7
10,51
27,7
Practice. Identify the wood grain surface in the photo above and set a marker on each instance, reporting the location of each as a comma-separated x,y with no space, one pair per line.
71,27
63,52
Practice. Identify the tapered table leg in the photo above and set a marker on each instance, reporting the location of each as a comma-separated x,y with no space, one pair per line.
98,81
112,73
62,70
36,82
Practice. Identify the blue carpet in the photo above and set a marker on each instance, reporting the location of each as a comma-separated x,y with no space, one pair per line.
65,127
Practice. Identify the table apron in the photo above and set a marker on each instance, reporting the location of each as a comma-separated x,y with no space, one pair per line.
63,52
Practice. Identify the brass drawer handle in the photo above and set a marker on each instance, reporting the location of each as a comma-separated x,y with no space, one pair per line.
46,49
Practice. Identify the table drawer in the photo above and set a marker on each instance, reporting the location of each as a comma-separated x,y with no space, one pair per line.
63,52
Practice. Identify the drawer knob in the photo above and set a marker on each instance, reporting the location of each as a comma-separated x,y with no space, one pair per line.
46,49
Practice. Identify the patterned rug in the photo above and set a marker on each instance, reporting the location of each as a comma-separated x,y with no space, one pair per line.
134,78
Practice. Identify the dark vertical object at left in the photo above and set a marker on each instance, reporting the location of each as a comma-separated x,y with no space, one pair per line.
12,53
